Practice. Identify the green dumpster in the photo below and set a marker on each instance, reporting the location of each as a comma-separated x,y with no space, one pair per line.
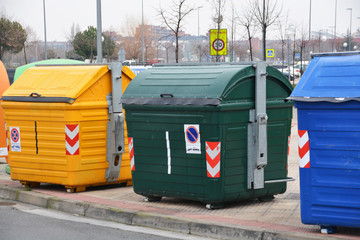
212,133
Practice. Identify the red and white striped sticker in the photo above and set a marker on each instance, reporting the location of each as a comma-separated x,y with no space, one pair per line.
131,152
304,149
213,159
72,139
288,155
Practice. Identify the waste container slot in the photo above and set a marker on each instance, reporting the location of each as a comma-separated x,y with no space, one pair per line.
35,95
257,131
36,139
163,95
289,179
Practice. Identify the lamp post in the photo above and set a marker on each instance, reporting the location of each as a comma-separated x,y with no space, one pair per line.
310,24
99,31
335,24
199,41
142,28
45,30
345,45
350,9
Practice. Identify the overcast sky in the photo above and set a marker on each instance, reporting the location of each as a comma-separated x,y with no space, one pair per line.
60,15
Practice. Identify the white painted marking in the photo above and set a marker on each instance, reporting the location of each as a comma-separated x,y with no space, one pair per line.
114,225
168,151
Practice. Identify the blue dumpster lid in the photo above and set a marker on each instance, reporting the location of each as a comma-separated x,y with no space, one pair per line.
331,78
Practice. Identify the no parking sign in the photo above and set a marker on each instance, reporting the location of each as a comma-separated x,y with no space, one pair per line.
15,139
192,138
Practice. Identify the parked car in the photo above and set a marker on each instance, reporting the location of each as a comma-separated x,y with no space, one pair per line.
300,68
295,70
284,69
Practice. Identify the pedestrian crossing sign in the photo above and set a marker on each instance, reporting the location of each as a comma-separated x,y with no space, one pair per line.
270,52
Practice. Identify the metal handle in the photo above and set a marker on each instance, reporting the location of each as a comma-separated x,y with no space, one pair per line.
289,179
166,95
35,95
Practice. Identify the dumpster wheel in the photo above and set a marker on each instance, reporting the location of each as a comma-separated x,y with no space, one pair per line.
30,184
75,189
327,229
212,206
152,199
266,198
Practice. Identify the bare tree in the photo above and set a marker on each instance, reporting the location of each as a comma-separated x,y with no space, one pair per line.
233,31
173,20
302,46
266,14
247,20
132,43
201,49
282,40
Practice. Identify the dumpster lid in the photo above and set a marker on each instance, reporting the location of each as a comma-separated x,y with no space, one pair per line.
330,78
185,84
54,83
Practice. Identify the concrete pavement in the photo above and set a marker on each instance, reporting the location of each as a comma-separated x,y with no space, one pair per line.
250,219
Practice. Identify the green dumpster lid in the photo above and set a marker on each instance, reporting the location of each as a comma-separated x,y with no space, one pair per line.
20,70
191,85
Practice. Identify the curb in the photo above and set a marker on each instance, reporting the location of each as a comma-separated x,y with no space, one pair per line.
145,219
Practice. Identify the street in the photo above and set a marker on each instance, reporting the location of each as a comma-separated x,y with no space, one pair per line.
20,221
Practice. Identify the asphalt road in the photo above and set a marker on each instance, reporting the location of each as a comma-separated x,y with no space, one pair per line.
20,221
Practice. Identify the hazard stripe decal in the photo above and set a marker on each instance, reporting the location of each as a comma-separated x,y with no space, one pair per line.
213,159
72,141
131,153
304,149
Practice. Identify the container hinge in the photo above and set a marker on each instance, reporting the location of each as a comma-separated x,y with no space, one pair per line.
257,131
115,126
115,146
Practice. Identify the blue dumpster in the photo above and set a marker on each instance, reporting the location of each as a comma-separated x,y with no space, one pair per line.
328,102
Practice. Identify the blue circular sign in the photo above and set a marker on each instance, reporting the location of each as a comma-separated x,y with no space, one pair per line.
15,135
192,134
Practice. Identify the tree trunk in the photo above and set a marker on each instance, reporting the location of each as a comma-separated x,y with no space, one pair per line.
264,43
250,44
25,55
176,47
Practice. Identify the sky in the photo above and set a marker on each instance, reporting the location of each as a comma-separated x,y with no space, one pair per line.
62,14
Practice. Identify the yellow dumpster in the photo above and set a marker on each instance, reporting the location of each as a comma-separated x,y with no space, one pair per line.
66,126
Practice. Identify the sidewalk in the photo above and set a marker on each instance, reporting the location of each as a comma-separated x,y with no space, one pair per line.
251,219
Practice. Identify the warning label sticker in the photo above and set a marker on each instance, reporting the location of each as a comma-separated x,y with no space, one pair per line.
192,138
15,139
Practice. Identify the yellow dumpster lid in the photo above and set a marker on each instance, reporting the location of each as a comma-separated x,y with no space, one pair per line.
54,83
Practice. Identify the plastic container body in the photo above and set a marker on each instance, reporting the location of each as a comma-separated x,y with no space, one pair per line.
188,128
327,100
57,119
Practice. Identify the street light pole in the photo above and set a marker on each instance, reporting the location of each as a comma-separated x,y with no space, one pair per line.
335,24
199,41
310,27
45,30
142,29
99,31
350,28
